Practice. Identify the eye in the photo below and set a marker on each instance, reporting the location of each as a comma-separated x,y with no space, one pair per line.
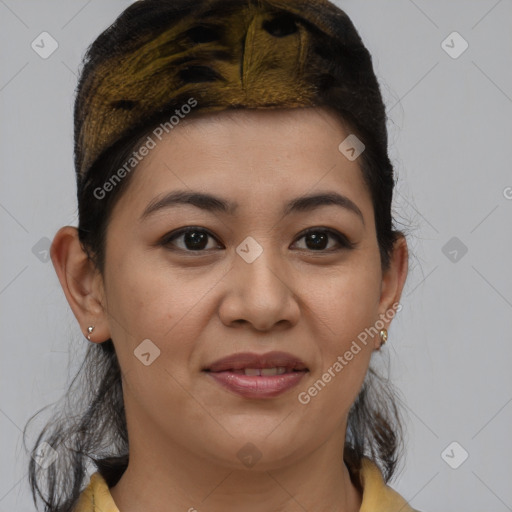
194,239
317,238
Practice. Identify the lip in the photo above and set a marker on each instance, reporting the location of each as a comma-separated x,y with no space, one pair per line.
252,360
226,372
249,386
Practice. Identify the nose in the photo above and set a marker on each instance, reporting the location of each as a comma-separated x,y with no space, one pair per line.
260,294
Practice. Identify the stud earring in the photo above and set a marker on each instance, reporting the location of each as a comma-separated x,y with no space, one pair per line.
89,330
383,337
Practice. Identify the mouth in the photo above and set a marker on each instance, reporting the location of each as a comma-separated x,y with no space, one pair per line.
257,385
265,372
271,363
258,376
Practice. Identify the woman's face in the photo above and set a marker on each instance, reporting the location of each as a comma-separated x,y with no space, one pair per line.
248,280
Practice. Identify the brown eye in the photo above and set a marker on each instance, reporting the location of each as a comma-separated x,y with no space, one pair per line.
318,239
193,239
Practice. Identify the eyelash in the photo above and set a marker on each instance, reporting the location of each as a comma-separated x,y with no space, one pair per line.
342,240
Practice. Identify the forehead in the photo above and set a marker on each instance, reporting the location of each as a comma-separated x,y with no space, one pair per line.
268,154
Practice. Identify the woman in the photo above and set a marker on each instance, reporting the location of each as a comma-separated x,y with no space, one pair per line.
235,267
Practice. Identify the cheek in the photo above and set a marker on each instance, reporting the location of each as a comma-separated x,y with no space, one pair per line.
348,299
148,301
151,303
343,310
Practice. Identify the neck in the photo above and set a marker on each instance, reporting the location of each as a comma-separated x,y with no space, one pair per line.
179,479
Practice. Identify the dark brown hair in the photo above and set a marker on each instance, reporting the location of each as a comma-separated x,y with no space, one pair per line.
92,426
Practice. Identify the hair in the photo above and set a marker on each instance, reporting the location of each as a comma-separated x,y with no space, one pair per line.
91,428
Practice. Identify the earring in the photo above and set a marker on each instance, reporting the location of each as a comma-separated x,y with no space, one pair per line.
89,330
383,337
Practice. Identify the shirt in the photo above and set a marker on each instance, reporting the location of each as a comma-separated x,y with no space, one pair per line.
377,495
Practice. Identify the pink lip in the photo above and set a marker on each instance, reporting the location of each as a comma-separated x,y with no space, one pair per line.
249,386
251,360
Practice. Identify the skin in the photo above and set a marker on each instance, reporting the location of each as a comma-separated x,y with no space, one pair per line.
199,307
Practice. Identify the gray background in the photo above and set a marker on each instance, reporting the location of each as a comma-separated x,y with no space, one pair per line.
451,142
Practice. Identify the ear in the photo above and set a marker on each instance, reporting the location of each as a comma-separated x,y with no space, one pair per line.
81,282
393,280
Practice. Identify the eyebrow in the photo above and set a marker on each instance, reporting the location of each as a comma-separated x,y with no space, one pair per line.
213,203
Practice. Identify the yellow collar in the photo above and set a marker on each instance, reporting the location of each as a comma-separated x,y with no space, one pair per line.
377,496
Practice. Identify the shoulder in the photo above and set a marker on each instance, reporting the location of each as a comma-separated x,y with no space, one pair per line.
96,497
377,495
